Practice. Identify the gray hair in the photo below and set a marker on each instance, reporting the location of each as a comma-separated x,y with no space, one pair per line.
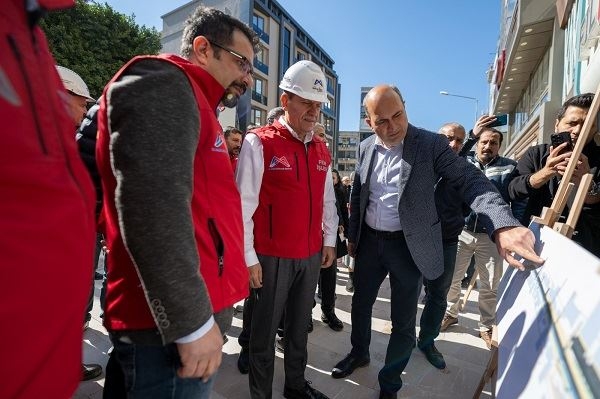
273,114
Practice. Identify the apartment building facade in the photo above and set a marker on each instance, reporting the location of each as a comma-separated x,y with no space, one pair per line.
547,52
364,129
526,81
347,152
581,21
283,41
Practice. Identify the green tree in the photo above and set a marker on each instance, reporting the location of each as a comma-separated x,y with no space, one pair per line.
95,41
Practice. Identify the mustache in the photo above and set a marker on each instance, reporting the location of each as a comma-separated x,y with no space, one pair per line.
240,85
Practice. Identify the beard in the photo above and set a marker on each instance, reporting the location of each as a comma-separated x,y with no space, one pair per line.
230,98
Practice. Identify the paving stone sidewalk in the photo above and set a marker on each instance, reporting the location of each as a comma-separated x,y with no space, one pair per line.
465,354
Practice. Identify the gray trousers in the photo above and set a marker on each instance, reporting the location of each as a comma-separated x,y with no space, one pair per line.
288,286
488,263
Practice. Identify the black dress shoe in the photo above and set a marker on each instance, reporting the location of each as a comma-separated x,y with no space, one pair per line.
243,362
433,356
307,392
348,365
387,395
332,321
90,371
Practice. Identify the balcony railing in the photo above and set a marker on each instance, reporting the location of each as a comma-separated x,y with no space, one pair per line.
327,110
264,68
261,33
259,98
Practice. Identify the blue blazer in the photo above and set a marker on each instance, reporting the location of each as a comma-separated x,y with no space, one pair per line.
426,157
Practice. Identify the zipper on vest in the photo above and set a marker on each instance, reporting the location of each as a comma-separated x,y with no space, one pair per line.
15,49
310,205
297,166
270,221
218,241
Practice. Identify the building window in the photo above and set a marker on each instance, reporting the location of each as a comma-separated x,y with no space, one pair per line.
262,55
287,40
257,116
301,55
258,86
328,124
259,22
260,26
259,91
535,94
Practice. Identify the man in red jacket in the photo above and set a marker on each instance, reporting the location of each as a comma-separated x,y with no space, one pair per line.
46,216
172,211
290,228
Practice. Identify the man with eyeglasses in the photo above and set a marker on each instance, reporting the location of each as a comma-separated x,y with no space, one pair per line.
172,211
290,228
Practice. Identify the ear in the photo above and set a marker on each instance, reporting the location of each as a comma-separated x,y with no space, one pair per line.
284,99
201,48
556,126
368,122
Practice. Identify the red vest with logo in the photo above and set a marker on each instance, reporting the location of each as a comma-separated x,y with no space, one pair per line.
216,212
288,220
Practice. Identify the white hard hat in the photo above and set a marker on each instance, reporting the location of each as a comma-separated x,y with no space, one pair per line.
306,80
74,83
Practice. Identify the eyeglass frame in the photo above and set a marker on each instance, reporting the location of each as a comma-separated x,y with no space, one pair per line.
243,62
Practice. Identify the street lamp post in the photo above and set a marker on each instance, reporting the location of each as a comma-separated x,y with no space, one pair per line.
445,93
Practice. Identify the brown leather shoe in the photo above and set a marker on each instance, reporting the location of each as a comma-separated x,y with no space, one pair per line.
448,321
487,337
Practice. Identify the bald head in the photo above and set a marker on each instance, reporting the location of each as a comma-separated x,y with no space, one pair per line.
385,114
377,91
455,133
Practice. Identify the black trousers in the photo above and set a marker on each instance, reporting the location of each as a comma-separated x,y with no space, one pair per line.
327,280
377,257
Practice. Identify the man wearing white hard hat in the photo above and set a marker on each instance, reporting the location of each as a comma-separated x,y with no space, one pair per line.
75,102
290,228
78,94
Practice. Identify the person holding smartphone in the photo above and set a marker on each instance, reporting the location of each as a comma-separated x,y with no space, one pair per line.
540,169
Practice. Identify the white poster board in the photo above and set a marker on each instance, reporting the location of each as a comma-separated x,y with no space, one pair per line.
549,323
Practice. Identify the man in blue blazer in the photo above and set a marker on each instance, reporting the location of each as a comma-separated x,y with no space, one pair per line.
395,229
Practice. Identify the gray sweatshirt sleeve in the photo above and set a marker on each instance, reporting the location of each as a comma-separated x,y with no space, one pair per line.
154,123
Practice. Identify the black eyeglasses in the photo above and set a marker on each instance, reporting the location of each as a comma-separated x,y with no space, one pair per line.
243,62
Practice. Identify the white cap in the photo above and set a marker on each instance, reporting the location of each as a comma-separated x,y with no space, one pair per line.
74,83
306,80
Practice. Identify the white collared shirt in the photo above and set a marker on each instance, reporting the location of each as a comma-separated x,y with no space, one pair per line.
382,209
249,174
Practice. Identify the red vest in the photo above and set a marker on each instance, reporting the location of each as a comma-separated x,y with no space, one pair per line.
46,218
216,212
288,220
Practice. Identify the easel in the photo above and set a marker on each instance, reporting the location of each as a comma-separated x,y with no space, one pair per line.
549,217
464,300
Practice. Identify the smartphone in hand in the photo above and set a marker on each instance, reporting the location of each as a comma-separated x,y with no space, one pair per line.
501,120
563,137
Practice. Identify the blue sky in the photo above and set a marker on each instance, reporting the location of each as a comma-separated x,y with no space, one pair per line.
423,47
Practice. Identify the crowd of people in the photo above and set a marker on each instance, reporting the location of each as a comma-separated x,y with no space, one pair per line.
190,218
